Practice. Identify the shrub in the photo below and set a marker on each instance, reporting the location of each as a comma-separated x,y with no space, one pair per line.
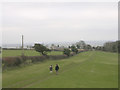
57,57
18,61
66,52
37,58
41,48
28,61
8,61
74,49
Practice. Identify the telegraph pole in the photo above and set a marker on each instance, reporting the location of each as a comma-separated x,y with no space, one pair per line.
22,45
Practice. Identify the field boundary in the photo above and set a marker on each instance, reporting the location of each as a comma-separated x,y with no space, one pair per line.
17,61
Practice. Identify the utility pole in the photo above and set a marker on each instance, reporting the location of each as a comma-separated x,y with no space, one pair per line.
22,46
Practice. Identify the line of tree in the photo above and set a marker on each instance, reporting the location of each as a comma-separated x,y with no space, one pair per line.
67,51
43,50
110,47
75,48
82,45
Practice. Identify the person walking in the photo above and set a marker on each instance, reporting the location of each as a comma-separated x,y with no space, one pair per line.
51,69
56,68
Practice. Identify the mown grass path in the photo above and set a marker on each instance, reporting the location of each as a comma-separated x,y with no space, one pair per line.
91,69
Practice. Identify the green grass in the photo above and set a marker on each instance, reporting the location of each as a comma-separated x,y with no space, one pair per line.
9,53
91,69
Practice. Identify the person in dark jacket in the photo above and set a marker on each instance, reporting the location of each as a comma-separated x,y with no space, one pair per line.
51,68
56,68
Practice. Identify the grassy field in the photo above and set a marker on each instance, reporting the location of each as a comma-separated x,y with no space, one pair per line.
91,69
9,53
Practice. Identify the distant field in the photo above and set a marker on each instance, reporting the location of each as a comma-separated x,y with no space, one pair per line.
10,53
90,69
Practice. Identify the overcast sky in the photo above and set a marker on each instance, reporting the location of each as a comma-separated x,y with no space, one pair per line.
59,22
